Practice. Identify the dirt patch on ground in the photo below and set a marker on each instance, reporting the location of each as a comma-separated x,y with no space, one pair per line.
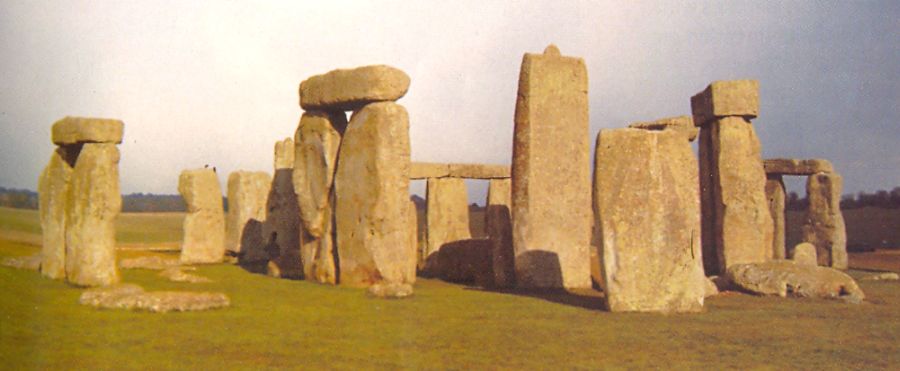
880,260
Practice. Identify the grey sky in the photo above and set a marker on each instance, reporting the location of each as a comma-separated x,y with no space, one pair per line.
217,83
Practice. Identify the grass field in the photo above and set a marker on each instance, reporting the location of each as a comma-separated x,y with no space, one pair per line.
294,324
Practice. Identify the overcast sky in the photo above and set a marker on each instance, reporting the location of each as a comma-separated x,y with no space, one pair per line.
216,82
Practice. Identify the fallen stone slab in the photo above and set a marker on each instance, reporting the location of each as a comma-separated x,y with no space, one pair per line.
31,263
681,124
71,130
787,278
351,89
156,263
390,290
178,274
790,166
885,276
133,297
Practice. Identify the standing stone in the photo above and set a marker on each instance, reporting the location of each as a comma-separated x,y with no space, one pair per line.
204,224
447,217
824,223
412,254
737,224
316,144
647,205
94,201
804,253
499,230
247,193
775,195
282,226
551,186
53,187
372,192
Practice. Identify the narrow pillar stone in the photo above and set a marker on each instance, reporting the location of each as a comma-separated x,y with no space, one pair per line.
446,217
737,225
498,224
775,194
247,193
204,224
53,188
647,206
281,229
316,144
94,201
551,186
824,223
372,192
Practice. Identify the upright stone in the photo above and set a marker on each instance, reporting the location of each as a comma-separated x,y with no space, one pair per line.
737,224
316,144
372,192
204,224
53,187
804,253
446,217
94,201
247,193
824,223
647,205
551,186
282,226
775,195
498,224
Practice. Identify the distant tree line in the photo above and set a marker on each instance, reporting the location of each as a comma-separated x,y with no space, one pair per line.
131,203
882,199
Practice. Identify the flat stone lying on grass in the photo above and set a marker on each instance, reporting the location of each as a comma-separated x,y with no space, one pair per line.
178,274
390,290
884,276
156,263
133,297
787,278
31,263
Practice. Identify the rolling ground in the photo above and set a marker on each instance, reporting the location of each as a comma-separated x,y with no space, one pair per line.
294,324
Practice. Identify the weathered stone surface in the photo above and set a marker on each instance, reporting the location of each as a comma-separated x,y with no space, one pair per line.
425,170
805,254
884,276
498,224
390,290
204,224
133,297
737,224
775,195
726,98
447,217
94,201
316,142
71,130
156,263
650,251
178,274
53,188
466,261
282,227
788,166
284,154
31,263
351,89
412,233
786,278
551,185
247,195
372,192
824,222
711,289
682,124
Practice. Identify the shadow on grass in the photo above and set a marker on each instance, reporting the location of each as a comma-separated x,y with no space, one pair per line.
582,298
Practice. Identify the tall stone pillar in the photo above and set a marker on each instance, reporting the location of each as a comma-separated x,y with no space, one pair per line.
775,195
281,229
551,187
79,200
204,224
737,225
824,224
247,193
316,144
446,217
498,224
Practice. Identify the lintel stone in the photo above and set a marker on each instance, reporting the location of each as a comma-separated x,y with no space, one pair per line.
682,124
726,98
71,130
425,170
351,89
789,166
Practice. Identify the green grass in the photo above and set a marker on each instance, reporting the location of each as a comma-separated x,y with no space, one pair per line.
131,228
277,324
